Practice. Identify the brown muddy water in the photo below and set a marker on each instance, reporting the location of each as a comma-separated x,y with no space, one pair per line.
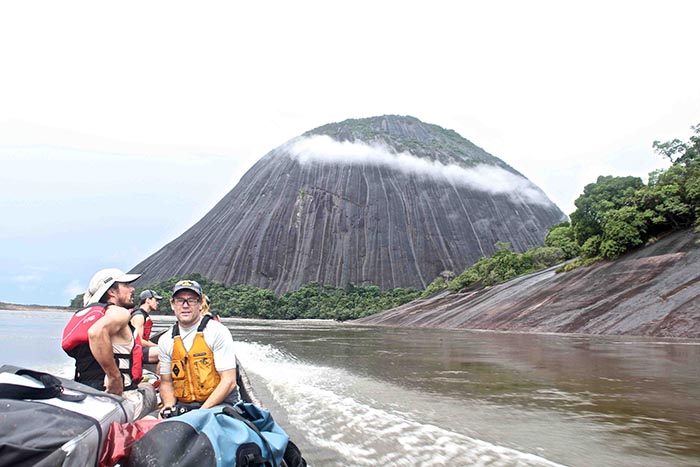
406,397
356,396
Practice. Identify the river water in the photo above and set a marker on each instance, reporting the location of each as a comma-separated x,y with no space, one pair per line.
357,396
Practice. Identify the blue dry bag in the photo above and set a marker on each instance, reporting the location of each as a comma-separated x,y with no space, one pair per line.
241,435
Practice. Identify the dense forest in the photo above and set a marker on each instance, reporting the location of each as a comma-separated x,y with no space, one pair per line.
612,216
310,301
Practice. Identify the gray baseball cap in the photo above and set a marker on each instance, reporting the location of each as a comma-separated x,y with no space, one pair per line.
189,285
146,294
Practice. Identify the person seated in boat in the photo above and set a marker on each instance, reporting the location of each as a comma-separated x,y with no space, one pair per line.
206,307
197,360
106,348
142,322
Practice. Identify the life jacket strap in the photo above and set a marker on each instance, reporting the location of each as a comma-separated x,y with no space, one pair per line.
200,328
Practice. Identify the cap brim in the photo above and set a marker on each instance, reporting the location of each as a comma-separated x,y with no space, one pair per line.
158,297
126,278
87,298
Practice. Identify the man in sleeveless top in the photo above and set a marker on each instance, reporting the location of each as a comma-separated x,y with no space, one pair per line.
100,338
141,321
197,360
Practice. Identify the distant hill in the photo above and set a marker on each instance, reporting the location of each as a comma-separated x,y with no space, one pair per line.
654,291
390,201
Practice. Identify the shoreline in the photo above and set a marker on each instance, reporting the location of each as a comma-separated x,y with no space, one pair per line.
17,307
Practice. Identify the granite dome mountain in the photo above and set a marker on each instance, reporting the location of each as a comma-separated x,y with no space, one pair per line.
390,201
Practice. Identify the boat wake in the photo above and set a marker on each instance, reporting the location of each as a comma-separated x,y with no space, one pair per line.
364,421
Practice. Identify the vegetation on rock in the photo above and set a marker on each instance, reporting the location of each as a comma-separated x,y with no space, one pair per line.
616,214
505,265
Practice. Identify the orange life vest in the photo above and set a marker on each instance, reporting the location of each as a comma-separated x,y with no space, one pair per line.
194,374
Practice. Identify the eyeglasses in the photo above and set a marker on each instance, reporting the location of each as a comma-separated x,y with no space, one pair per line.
182,301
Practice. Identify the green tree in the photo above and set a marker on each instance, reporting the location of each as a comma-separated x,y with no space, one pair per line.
591,247
606,194
680,153
623,229
679,199
545,256
667,201
437,285
505,265
562,236
76,302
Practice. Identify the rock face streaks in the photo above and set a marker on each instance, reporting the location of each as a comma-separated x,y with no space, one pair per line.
652,292
291,221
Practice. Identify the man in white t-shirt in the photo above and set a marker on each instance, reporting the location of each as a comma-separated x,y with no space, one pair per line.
195,342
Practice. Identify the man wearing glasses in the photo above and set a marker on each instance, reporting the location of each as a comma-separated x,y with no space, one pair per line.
197,361
142,322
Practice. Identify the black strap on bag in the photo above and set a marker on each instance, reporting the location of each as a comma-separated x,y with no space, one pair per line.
292,456
52,388
233,412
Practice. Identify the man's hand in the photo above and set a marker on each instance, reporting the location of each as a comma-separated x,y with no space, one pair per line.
166,412
167,391
114,385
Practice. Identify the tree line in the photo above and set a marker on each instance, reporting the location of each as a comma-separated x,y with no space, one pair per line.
612,216
313,300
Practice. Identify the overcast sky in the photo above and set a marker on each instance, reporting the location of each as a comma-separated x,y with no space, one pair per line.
122,124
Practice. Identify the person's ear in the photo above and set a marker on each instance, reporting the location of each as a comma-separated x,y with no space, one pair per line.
111,292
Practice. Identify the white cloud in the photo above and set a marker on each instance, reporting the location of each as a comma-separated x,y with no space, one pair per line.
25,278
322,149
74,288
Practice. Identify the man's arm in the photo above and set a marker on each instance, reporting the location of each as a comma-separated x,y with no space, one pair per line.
167,391
223,389
100,337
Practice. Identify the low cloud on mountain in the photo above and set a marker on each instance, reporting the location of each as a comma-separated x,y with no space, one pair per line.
323,149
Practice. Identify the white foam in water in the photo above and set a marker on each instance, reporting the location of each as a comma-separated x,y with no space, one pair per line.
326,404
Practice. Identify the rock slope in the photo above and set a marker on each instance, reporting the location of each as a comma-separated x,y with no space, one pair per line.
389,201
652,292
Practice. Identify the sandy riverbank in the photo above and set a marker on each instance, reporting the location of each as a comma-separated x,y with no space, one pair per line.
16,307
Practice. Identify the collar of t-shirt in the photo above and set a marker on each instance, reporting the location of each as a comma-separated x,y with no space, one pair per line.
184,332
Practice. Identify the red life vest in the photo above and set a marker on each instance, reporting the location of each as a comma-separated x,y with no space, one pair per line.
88,371
147,323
